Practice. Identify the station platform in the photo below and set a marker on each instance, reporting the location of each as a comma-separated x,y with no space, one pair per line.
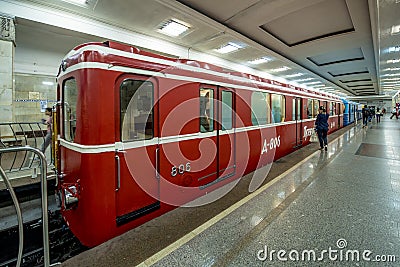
339,207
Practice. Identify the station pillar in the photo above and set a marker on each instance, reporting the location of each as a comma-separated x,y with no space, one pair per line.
7,49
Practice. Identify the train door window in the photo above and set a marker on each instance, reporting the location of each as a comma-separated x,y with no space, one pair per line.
333,109
324,104
136,100
260,108
206,110
70,90
227,110
278,108
316,107
294,109
309,108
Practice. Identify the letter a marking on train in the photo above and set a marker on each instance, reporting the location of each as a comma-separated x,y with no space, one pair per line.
265,147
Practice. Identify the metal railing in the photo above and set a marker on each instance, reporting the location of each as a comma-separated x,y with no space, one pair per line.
45,220
20,134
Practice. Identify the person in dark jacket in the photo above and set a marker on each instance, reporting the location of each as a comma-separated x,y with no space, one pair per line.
322,127
365,115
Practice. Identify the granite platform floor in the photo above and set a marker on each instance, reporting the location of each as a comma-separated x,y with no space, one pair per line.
316,208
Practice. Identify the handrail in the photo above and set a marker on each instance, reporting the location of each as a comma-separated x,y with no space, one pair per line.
45,219
19,215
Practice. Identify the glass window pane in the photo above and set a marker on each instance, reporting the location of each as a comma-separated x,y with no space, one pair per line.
227,110
69,107
316,107
278,108
206,110
298,109
136,110
294,109
259,108
309,108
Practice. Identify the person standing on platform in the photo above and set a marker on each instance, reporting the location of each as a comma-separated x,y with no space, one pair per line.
378,115
322,127
365,114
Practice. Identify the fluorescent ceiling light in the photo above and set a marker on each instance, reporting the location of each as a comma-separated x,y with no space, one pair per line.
391,75
260,60
394,49
230,47
393,61
47,83
304,80
312,83
391,79
395,29
77,2
391,69
284,68
173,28
294,75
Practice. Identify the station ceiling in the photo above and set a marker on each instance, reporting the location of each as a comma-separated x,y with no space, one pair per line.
345,47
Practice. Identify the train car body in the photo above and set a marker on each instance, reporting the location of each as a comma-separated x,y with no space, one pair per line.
140,134
351,113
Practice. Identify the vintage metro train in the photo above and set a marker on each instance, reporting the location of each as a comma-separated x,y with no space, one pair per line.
138,134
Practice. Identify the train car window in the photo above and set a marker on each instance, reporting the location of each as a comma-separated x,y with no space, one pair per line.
136,100
70,91
227,110
260,108
309,108
206,110
278,108
294,109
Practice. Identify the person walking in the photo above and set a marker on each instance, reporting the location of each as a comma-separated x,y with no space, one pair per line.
322,127
394,113
378,115
365,114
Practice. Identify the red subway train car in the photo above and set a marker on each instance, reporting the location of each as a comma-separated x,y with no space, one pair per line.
139,134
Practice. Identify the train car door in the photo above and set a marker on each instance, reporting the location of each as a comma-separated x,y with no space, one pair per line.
297,117
137,183
226,138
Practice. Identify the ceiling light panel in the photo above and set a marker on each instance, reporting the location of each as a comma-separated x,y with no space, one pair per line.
281,69
294,75
229,47
174,28
260,60
395,29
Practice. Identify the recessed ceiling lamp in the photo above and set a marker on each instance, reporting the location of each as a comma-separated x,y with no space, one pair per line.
312,83
294,75
260,60
391,69
229,47
173,27
47,83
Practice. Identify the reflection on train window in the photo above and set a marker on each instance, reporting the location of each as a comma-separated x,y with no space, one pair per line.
70,90
296,109
332,108
206,110
227,110
136,110
260,108
316,107
309,108
278,108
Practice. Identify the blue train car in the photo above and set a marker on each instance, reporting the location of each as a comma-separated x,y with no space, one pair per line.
351,112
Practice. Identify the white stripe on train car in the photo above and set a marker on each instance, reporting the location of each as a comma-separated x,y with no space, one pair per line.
120,146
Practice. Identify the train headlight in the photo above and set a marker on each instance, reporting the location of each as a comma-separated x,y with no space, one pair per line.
70,195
